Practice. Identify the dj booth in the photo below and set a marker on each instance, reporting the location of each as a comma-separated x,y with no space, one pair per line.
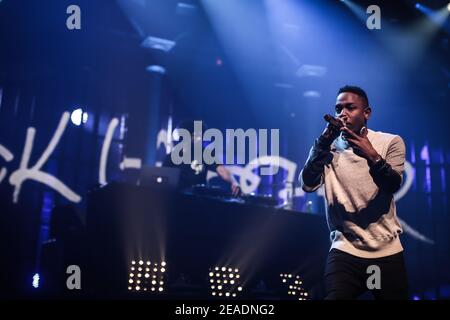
195,237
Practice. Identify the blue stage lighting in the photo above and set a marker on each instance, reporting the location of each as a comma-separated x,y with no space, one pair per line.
36,279
78,116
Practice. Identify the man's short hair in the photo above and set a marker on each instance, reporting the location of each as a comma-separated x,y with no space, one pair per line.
356,90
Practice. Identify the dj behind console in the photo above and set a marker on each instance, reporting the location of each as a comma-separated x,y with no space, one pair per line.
220,193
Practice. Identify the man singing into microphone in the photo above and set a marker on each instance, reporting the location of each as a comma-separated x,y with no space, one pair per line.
361,170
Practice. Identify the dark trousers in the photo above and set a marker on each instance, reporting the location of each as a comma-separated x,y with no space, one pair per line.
348,276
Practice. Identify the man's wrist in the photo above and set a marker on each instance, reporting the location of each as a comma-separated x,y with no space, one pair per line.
374,159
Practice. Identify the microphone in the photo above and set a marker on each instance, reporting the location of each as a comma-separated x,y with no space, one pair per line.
333,121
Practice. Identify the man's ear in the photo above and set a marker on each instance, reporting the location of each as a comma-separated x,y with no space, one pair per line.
367,113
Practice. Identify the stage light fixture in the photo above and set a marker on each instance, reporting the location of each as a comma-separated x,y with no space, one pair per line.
148,280
294,286
223,281
36,279
78,116
158,44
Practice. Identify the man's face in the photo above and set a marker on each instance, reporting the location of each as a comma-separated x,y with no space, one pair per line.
350,108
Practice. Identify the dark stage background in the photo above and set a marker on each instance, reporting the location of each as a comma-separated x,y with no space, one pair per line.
233,64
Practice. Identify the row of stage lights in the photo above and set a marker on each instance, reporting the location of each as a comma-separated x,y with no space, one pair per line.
225,282
146,276
294,285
